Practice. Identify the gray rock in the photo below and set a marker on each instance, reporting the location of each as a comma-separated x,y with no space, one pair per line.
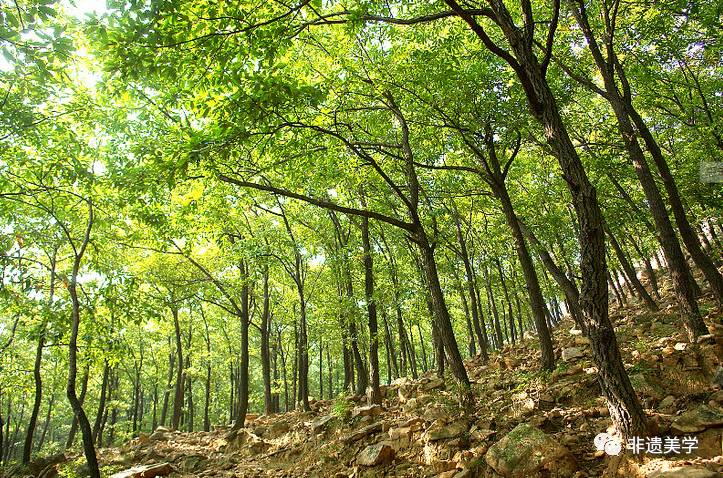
376,454
698,419
527,452
684,472
570,353
368,410
320,423
442,431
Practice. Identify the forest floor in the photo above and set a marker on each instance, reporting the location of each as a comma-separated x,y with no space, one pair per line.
421,429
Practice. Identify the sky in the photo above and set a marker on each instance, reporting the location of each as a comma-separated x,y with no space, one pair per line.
79,8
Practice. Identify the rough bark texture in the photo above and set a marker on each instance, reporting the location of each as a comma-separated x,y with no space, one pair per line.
679,270
625,409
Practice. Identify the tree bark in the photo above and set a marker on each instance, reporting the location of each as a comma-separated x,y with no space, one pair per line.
178,394
532,283
169,382
625,409
474,306
101,401
46,424
243,382
374,393
88,448
28,445
265,344
631,275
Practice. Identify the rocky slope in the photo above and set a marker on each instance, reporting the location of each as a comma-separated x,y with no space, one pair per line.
524,424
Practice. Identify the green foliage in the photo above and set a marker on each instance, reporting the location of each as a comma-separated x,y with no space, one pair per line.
176,118
341,407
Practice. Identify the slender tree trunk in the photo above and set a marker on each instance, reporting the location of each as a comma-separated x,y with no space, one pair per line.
169,382
321,367
207,387
282,356
471,348
2,437
648,269
46,424
690,239
625,409
88,448
30,433
178,395
154,417
330,375
265,344
374,393
16,431
74,424
474,306
275,396
532,283
480,313
101,402
392,364
243,382
443,320
615,290
295,366
508,301
631,275
412,352
491,299
4,449
425,363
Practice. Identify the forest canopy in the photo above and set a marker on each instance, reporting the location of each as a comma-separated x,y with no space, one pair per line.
210,209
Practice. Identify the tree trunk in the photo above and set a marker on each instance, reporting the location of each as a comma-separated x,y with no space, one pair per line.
101,401
74,424
88,448
471,348
169,382
532,283
30,433
243,380
392,365
178,395
444,323
265,344
631,275
474,306
207,388
690,239
425,363
625,409
491,299
28,445
618,298
46,424
648,269
374,393
508,301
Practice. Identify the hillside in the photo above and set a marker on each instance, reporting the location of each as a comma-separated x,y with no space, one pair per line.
421,430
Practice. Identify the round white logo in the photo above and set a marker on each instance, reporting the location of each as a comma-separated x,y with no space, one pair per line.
605,442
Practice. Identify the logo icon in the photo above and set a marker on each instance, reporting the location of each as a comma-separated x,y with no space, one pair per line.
608,443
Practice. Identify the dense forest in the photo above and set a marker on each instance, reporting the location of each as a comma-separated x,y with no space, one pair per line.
214,209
